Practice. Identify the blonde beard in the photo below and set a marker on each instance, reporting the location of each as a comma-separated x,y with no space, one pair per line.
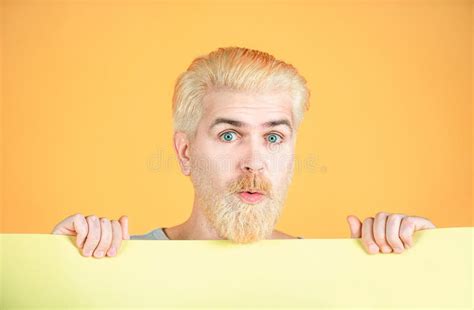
236,220
241,222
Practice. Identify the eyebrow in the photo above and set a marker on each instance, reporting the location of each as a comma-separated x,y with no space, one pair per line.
237,123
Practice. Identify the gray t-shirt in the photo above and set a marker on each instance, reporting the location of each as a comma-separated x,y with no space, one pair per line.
157,234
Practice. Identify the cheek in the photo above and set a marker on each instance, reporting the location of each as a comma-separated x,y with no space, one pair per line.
201,156
281,166
216,170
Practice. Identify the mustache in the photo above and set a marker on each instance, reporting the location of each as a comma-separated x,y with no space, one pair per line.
251,182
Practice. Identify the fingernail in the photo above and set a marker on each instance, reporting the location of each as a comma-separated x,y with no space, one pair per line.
398,250
386,249
111,252
87,253
99,254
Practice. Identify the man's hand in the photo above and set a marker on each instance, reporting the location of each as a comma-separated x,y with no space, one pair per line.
98,236
387,231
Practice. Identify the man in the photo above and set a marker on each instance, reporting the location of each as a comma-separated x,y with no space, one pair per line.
236,116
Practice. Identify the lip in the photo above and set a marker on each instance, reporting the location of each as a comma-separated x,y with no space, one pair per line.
251,198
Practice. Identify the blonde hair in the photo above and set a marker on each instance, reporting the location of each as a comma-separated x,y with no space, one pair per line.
236,69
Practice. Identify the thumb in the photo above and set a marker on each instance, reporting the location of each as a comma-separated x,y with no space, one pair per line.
74,225
355,226
124,223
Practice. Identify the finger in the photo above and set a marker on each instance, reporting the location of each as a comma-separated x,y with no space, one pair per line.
354,225
65,227
422,223
93,237
71,226
380,222
409,225
368,236
105,238
116,238
407,229
80,225
124,223
393,232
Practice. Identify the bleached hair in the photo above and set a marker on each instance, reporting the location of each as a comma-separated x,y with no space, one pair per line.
234,69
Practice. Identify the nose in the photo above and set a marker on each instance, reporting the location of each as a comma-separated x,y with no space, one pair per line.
253,161
253,165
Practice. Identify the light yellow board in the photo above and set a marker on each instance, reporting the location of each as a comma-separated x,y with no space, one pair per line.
45,271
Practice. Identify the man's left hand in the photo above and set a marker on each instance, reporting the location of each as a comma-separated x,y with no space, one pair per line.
387,231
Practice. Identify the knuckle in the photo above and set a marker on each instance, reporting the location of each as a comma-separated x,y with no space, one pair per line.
116,227
393,216
95,232
380,214
95,225
78,216
409,221
105,225
390,218
92,218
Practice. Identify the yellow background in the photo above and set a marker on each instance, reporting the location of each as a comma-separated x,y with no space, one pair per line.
86,107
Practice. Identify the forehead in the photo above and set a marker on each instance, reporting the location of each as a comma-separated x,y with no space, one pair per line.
252,106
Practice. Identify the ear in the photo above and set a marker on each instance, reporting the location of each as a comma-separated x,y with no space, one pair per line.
181,147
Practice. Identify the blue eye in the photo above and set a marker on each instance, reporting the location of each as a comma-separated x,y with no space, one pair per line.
227,136
273,138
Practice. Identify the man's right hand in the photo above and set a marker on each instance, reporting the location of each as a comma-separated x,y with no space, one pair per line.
98,236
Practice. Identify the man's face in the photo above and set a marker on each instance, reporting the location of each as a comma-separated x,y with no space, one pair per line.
242,162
